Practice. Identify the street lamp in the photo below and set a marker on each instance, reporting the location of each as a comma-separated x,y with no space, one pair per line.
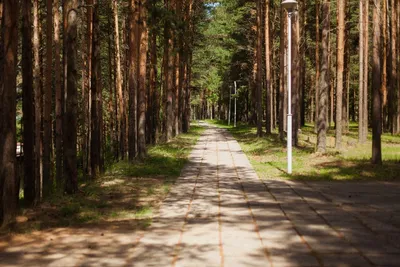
290,6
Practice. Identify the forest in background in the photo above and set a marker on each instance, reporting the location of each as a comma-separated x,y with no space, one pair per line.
87,83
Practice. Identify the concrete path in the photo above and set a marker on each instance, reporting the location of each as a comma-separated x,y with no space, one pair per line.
220,213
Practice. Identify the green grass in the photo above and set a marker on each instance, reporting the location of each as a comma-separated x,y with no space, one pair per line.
268,155
128,192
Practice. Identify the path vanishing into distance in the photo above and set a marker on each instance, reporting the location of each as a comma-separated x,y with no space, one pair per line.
219,213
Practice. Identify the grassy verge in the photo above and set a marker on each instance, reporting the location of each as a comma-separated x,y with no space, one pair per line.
268,156
127,193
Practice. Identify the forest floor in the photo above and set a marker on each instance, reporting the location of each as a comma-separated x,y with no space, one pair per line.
219,212
122,200
268,156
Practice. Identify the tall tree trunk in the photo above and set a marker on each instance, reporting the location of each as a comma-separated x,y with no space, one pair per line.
295,78
168,79
47,108
259,70
384,64
324,81
346,74
133,76
38,101
361,75
118,85
59,93
376,85
282,93
96,95
27,105
154,96
269,98
366,68
8,183
395,128
70,116
86,87
340,68
142,80
317,63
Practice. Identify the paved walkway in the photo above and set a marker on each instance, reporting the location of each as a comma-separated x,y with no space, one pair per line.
220,213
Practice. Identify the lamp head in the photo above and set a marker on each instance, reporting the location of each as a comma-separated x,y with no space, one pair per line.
289,5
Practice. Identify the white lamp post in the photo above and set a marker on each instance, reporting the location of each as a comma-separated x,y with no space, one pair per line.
290,6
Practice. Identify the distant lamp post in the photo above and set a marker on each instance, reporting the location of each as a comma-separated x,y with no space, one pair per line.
290,6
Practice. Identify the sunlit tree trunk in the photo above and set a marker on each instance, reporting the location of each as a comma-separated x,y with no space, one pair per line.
324,81
142,80
340,68
118,85
133,76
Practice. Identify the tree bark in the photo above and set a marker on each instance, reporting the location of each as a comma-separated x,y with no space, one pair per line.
340,68
142,80
268,85
70,116
47,107
118,85
384,64
38,102
96,96
8,183
259,70
58,90
168,79
133,77
365,68
317,62
376,85
395,128
27,105
282,98
324,81
295,78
